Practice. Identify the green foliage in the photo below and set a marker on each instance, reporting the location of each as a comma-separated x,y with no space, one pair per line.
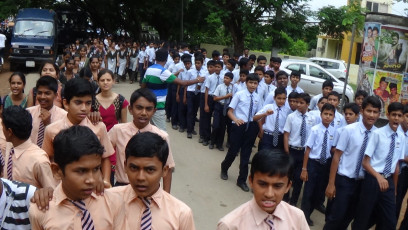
10,7
295,48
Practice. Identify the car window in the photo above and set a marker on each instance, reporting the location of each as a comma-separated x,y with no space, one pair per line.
332,65
316,72
297,67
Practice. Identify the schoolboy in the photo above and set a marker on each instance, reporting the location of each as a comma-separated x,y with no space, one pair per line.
316,113
261,61
181,96
351,115
225,57
346,172
359,98
145,165
327,87
173,94
222,98
142,107
271,64
270,179
45,112
271,119
241,84
23,160
243,65
268,85
402,185
77,101
193,95
77,163
215,55
205,117
294,80
296,131
334,99
251,62
260,90
293,100
385,148
281,81
230,66
316,161
244,105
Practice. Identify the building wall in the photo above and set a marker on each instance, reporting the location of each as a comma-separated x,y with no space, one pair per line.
385,6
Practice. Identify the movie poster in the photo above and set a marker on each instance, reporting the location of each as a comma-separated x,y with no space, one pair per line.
370,44
392,51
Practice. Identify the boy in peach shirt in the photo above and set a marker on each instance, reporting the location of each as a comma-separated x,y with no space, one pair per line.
270,180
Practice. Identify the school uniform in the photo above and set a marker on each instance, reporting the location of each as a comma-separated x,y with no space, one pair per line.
211,84
267,88
273,127
133,54
193,98
238,87
299,131
141,57
182,108
270,99
250,216
402,186
235,72
260,90
120,135
220,117
245,106
172,96
290,89
30,165
314,101
318,166
353,143
385,148
122,63
112,56
151,56
106,212
167,212
56,114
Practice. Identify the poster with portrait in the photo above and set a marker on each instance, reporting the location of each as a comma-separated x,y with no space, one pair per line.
365,80
387,86
370,44
393,49
404,90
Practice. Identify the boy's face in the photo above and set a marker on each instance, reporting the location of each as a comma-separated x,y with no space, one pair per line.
198,64
370,115
210,69
251,85
334,100
144,174
280,99
326,90
293,103
217,69
350,116
267,79
227,80
268,190
404,122
393,91
302,105
142,111
230,67
359,100
79,178
176,60
327,117
187,65
242,77
294,80
225,58
78,108
260,74
394,119
282,81
262,63
45,97
321,103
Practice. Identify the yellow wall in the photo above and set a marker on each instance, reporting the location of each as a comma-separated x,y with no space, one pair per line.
346,47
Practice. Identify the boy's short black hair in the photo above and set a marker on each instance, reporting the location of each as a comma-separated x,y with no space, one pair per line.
199,58
383,79
334,93
395,106
361,93
280,90
328,106
184,56
232,62
252,57
219,63
143,92
229,75
282,73
215,53
278,60
73,143
393,85
203,50
252,77
161,55
353,107
272,162
147,144
77,87
244,71
18,120
261,58
242,62
226,54
49,82
272,59
295,73
187,60
210,63
404,112
293,95
176,55
321,99
373,101
270,73
305,96
327,83
260,68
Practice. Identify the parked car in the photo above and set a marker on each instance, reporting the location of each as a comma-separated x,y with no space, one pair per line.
313,76
333,66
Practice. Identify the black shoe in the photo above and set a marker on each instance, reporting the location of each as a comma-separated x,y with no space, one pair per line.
205,143
224,175
175,127
189,135
211,146
194,132
227,145
220,148
200,140
167,119
181,130
321,209
309,222
243,186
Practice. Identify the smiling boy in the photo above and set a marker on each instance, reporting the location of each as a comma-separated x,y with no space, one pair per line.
269,180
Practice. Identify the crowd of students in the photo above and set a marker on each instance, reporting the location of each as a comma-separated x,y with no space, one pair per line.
66,134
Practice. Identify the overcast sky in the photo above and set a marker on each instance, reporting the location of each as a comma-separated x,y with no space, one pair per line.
397,8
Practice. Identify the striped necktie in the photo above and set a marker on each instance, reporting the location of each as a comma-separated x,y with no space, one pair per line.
361,154
10,165
251,105
323,157
226,103
276,131
388,160
146,222
40,138
269,222
303,131
1,159
86,219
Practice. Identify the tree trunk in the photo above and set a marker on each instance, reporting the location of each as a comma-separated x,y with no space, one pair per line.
277,27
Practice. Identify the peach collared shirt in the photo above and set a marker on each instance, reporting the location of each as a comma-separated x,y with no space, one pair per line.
250,216
31,165
120,135
53,129
56,114
3,141
107,212
168,212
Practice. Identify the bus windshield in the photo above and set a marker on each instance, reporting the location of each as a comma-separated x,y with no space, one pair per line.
34,28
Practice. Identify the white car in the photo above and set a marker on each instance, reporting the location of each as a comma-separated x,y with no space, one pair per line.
333,66
313,76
